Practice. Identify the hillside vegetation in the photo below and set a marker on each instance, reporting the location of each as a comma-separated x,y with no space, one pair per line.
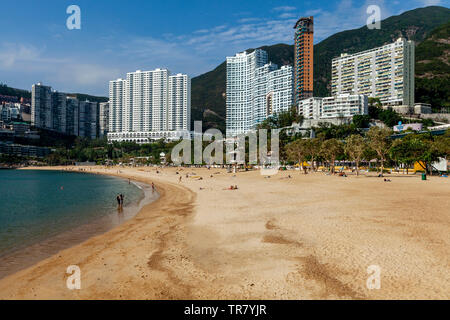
433,68
19,93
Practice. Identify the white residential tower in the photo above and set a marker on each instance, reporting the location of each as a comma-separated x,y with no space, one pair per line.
149,105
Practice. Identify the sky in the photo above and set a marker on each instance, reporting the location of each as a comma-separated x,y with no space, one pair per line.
185,36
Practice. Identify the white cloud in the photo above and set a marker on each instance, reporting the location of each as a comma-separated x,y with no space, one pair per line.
285,8
246,20
87,74
287,15
65,73
12,53
431,2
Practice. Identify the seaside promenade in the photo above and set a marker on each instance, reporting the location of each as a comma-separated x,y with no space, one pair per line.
306,237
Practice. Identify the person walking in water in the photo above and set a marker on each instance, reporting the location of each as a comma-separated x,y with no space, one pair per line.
153,187
118,202
121,201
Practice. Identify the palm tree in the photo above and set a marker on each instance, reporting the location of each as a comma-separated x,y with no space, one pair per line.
355,147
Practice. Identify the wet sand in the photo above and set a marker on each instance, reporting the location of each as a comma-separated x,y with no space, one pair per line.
309,237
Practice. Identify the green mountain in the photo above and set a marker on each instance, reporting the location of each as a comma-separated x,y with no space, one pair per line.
19,93
13,92
433,68
208,90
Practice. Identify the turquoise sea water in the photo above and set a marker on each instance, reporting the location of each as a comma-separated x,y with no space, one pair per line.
38,205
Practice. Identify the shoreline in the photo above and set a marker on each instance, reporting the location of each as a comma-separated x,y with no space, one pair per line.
290,237
17,285
22,257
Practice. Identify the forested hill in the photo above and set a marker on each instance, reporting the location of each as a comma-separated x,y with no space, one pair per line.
433,68
19,93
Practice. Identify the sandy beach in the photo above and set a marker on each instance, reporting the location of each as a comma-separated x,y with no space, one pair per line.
306,237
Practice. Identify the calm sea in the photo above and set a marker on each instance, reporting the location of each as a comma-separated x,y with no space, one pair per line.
42,212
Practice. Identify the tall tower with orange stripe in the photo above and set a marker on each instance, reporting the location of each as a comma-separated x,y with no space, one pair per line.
304,58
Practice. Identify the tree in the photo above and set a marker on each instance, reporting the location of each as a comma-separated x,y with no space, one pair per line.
374,102
402,151
331,149
432,149
355,147
374,107
313,150
442,144
297,151
361,120
281,119
378,140
389,117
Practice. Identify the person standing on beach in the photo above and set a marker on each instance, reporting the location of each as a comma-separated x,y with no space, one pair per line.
153,187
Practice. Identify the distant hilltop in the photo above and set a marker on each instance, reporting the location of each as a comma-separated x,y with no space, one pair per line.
21,93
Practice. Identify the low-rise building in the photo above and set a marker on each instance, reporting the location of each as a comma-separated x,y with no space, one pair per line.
408,126
310,108
20,128
422,108
341,106
23,151
9,112
148,136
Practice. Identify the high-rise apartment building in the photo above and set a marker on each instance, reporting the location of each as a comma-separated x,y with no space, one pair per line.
72,116
88,119
179,113
241,87
116,104
279,95
59,111
56,111
149,105
256,89
385,72
303,58
41,106
103,118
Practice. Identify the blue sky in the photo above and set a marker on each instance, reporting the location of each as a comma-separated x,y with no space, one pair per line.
188,36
